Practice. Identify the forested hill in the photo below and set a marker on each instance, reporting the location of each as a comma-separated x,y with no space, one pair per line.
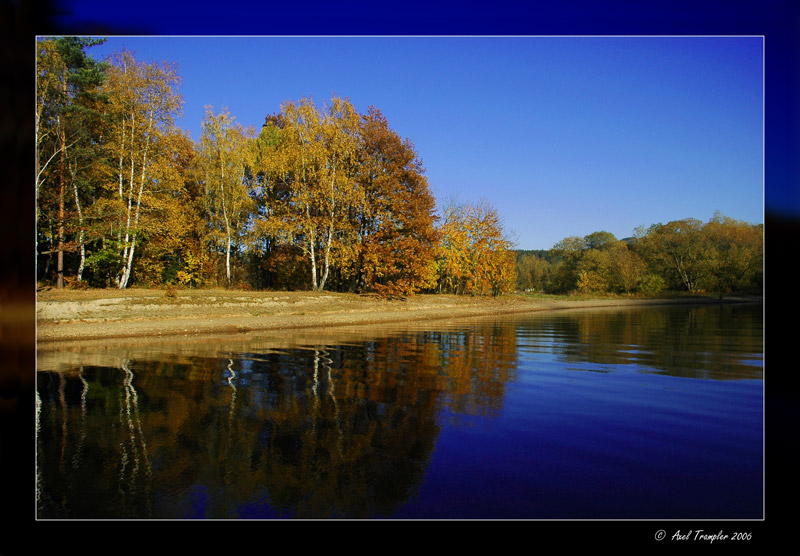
547,254
541,253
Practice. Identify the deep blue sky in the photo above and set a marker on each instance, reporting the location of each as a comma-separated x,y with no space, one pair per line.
563,135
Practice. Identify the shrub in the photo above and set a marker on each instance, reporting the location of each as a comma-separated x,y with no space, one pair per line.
652,284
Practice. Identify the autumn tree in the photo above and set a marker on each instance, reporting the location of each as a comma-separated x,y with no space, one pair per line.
735,256
191,263
597,263
610,266
567,255
314,165
294,164
599,240
475,253
594,271
339,193
50,102
144,102
396,238
275,258
677,251
349,193
169,235
453,258
225,160
628,270
533,272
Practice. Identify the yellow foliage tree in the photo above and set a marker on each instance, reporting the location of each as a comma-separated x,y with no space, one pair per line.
313,161
225,158
144,102
475,254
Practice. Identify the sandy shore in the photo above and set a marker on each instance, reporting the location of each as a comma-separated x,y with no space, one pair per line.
69,316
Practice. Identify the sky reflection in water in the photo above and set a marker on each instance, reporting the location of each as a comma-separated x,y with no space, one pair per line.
633,414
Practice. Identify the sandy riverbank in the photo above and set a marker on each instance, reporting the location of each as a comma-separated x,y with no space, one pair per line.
70,315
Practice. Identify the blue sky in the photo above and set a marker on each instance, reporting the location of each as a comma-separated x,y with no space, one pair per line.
563,135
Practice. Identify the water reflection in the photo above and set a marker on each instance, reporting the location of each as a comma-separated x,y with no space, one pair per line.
720,342
312,427
325,431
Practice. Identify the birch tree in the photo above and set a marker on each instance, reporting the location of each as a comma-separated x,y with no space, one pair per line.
316,164
299,165
168,226
47,101
338,193
144,103
225,159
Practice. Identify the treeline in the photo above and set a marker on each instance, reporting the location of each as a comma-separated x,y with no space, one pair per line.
721,256
318,198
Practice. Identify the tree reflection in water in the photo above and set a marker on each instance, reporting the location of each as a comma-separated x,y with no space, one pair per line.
347,428
321,432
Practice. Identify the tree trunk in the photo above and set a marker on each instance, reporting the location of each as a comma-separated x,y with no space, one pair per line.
60,268
311,241
228,260
227,237
313,265
80,233
330,232
327,259
126,269
225,216
63,133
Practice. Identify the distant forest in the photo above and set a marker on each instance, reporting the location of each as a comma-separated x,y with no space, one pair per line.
721,256
318,198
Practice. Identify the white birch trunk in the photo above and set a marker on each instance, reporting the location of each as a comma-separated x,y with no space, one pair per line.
327,258
330,231
125,272
228,260
227,221
121,159
313,264
80,224
127,268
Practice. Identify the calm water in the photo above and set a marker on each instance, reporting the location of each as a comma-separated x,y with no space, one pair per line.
633,414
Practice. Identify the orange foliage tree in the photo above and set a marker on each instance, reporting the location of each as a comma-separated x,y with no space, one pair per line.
395,254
